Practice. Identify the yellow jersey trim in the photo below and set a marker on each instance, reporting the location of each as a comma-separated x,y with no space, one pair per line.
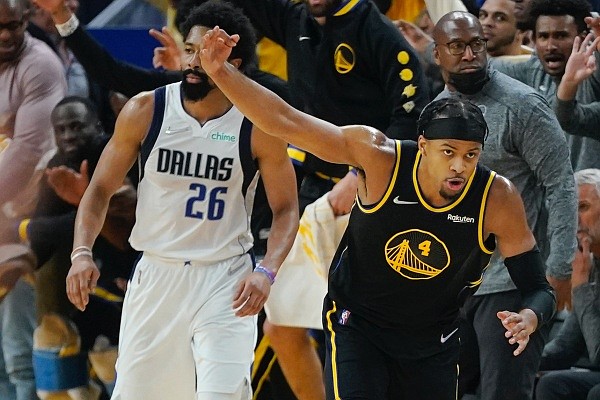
482,213
346,8
422,199
23,230
336,390
296,154
381,202
106,295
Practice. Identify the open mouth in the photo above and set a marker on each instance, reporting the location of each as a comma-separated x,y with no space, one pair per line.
554,61
455,184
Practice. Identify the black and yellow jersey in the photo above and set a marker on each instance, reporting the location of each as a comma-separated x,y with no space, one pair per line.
402,261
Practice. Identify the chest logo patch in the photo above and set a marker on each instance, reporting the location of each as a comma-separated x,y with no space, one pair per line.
417,254
344,58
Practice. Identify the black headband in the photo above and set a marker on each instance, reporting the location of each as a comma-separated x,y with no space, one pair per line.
455,128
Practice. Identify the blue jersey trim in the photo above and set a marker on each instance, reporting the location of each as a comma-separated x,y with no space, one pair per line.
154,131
249,166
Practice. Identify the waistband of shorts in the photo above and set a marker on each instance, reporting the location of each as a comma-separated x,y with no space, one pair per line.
191,263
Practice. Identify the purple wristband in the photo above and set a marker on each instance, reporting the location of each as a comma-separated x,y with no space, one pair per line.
266,271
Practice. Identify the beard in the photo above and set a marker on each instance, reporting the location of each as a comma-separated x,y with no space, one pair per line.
195,91
450,196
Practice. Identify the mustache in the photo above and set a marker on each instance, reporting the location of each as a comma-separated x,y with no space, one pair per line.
195,72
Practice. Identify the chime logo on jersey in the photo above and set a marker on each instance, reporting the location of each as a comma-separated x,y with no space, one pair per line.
222,137
344,58
195,165
417,254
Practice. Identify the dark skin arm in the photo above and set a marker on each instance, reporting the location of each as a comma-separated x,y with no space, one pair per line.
505,218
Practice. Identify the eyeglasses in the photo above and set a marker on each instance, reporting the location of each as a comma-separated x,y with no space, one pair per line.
12,26
458,48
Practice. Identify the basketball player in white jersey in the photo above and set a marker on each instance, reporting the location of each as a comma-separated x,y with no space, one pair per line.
189,329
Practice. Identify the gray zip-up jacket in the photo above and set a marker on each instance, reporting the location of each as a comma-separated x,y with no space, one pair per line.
526,145
579,118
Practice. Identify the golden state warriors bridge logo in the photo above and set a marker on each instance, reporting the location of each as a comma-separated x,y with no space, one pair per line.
344,58
417,254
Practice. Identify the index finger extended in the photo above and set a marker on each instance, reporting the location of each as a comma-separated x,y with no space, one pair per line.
163,37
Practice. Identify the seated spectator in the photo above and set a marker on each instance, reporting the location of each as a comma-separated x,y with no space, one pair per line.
579,335
31,83
49,232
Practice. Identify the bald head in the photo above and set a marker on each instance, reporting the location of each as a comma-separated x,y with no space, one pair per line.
453,21
460,51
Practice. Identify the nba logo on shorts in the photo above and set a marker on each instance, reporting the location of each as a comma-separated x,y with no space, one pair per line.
344,317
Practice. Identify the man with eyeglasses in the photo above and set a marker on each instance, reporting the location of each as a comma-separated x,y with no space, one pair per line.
32,82
525,144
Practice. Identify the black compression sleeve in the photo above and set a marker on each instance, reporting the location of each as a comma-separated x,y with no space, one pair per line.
527,272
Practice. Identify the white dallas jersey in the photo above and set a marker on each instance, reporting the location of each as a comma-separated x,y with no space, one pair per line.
197,184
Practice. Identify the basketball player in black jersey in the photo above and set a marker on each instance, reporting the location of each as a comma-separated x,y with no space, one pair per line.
426,219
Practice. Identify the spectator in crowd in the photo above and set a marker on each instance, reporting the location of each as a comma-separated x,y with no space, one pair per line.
581,119
499,24
522,12
347,64
80,141
77,82
31,82
578,336
557,24
385,272
526,144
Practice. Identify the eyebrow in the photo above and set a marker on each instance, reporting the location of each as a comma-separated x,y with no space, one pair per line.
455,148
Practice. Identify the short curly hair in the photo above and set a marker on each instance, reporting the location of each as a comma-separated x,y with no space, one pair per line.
578,9
230,19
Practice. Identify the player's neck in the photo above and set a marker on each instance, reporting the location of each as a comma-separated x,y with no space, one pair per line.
214,105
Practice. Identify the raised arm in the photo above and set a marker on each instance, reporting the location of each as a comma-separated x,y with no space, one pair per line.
98,63
116,160
505,218
578,119
360,146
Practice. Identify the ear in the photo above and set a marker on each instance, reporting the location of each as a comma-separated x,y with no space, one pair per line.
421,144
436,55
236,62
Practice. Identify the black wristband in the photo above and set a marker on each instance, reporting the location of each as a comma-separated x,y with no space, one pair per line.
527,272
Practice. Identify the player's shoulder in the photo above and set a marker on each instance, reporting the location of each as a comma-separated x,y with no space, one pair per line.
502,193
140,105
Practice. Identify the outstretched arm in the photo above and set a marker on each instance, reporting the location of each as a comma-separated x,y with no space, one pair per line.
272,115
363,147
505,218
100,65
